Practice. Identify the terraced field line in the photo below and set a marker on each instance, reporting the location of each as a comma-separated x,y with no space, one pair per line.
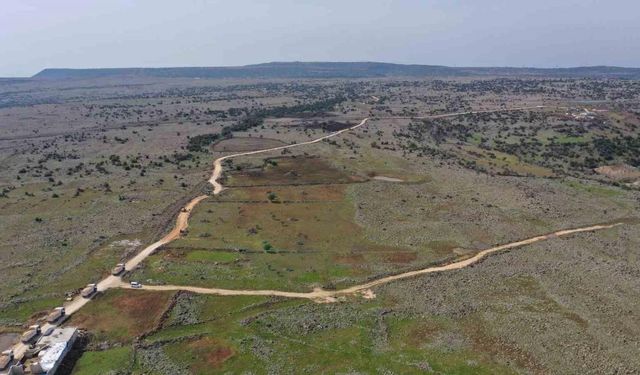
321,295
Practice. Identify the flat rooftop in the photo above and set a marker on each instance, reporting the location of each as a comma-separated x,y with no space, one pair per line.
58,335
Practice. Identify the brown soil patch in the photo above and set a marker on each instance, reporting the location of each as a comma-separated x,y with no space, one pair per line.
38,315
126,315
497,347
293,170
349,259
210,353
442,247
309,193
422,333
141,306
402,257
173,254
619,172
240,144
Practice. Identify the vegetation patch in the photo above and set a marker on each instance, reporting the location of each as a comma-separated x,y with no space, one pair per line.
240,144
288,245
204,355
294,170
116,360
210,256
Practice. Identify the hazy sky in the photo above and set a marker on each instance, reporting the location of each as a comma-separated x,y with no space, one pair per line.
35,34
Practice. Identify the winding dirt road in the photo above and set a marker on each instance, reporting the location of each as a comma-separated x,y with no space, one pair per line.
217,164
318,295
321,295
182,223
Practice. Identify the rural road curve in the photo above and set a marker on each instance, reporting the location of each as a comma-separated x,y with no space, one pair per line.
217,164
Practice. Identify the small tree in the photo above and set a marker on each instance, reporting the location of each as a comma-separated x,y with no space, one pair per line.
266,246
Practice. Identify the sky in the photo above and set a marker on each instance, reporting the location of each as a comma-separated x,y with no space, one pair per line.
38,34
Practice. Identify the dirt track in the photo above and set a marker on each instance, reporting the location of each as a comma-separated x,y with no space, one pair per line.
217,164
318,294
328,295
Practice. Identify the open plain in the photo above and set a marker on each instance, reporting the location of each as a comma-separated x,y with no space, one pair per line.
448,225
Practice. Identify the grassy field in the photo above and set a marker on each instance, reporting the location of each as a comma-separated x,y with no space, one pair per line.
259,335
298,234
116,360
64,231
86,184
122,316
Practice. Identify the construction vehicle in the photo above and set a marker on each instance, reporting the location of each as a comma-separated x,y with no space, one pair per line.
30,334
118,269
5,359
89,290
55,315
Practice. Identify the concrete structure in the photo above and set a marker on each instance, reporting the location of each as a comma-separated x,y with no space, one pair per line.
35,368
52,350
15,370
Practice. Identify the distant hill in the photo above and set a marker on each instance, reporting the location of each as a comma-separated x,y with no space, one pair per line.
336,70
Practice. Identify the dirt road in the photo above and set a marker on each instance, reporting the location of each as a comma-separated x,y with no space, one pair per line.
318,295
217,164
328,295
115,281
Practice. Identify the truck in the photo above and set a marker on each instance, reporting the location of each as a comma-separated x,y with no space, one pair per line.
89,290
55,315
5,359
30,334
118,269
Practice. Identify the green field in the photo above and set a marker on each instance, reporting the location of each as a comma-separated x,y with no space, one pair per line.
298,234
